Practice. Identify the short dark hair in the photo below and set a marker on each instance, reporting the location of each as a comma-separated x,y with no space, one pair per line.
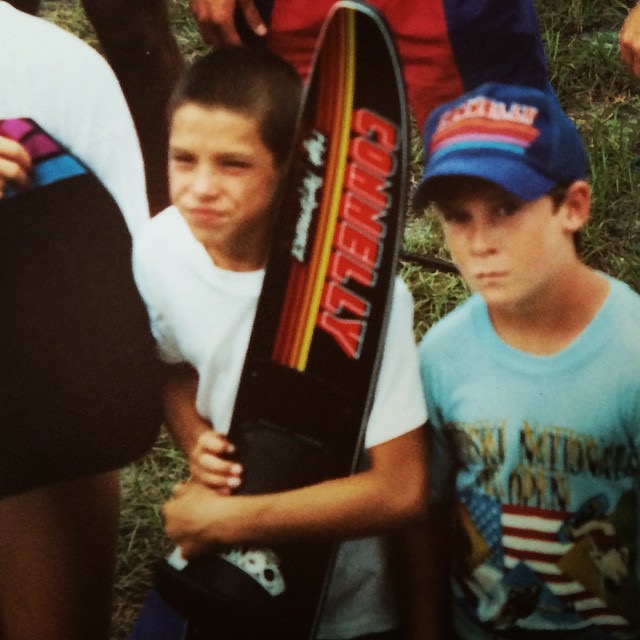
250,81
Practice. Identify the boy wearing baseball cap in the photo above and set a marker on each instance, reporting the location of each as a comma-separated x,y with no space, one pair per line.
533,384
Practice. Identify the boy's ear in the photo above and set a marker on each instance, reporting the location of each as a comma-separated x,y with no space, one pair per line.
576,206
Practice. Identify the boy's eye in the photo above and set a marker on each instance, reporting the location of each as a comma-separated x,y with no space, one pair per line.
232,160
507,208
181,158
453,216
236,163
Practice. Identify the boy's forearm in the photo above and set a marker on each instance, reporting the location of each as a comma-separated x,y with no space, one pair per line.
335,509
346,507
391,493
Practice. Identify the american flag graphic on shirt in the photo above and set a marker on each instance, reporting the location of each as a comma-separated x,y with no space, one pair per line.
525,545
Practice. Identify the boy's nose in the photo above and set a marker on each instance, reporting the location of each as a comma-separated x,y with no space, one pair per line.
482,238
205,182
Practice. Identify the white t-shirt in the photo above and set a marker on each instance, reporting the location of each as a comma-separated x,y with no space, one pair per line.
63,84
203,315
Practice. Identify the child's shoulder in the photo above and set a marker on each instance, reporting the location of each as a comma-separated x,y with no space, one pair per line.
616,339
161,228
623,311
161,241
624,293
400,292
450,329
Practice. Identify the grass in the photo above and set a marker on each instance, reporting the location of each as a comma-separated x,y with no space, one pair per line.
604,100
581,43
145,487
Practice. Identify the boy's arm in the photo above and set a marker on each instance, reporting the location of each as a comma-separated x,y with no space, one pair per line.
391,492
204,447
182,419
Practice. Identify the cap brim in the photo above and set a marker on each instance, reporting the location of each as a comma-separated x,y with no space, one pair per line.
514,177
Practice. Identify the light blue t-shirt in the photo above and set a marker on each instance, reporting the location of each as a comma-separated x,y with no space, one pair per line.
548,489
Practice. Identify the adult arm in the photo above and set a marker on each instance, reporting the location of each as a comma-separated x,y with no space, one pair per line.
215,19
15,164
629,38
392,492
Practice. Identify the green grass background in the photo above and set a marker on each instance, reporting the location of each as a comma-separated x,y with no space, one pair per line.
581,43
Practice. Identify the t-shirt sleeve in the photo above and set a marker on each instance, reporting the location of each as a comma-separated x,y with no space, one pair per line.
147,273
399,405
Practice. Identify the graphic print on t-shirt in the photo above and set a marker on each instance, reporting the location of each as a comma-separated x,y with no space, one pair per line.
51,161
546,549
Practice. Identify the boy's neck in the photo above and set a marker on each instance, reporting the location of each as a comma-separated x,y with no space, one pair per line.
251,256
553,323
236,264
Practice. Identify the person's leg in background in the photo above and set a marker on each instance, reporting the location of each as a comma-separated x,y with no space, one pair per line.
57,560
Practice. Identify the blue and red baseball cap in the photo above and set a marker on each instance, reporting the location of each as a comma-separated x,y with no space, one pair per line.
514,136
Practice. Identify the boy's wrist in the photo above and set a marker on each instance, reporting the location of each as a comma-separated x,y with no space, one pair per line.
241,520
185,439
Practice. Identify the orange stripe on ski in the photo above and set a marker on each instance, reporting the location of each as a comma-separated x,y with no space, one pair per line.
327,98
302,299
294,305
336,167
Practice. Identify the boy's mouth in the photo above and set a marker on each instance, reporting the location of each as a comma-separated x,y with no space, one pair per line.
487,276
201,214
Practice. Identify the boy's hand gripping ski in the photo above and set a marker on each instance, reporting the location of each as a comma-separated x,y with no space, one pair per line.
310,370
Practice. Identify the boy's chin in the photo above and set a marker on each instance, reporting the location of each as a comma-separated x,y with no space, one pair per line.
499,298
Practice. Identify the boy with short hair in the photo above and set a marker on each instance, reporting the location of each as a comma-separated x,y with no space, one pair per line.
534,382
200,267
